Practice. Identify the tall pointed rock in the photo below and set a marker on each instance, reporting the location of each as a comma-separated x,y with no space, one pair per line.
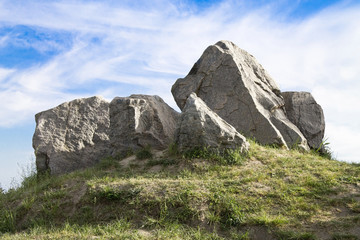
234,85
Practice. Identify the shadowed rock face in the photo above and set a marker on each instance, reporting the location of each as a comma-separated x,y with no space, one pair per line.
307,115
199,126
141,120
235,86
72,135
78,134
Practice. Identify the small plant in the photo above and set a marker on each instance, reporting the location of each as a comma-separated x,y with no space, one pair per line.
340,236
234,156
228,209
225,156
199,152
28,202
355,206
324,149
173,149
144,153
213,218
7,221
232,215
108,163
123,154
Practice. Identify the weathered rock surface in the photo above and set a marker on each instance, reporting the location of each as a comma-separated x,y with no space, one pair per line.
141,120
307,115
78,134
235,86
199,126
72,135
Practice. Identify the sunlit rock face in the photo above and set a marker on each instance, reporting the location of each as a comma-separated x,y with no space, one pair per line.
72,135
78,134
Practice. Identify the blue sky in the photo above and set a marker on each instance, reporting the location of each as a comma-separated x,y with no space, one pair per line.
56,51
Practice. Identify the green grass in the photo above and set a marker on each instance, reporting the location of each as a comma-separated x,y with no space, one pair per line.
227,156
201,194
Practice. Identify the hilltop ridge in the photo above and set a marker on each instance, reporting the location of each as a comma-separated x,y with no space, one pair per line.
268,193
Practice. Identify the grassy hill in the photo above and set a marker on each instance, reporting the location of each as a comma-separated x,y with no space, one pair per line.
270,193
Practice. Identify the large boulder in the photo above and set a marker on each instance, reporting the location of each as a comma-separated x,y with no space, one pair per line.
234,85
78,134
141,120
199,126
72,135
307,115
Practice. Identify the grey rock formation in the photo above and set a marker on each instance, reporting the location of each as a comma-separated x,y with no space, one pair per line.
72,135
78,134
199,126
307,115
235,86
141,120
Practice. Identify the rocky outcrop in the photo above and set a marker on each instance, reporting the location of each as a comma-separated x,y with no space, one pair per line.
307,115
235,86
141,120
199,126
227,93
80,133
72,135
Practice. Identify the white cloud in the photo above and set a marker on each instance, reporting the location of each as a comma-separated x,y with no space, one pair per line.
5,73
343,142
149,48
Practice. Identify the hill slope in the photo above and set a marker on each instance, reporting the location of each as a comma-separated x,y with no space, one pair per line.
270,193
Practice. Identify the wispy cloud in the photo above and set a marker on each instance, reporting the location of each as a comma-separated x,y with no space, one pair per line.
121,48
3,40
5,73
